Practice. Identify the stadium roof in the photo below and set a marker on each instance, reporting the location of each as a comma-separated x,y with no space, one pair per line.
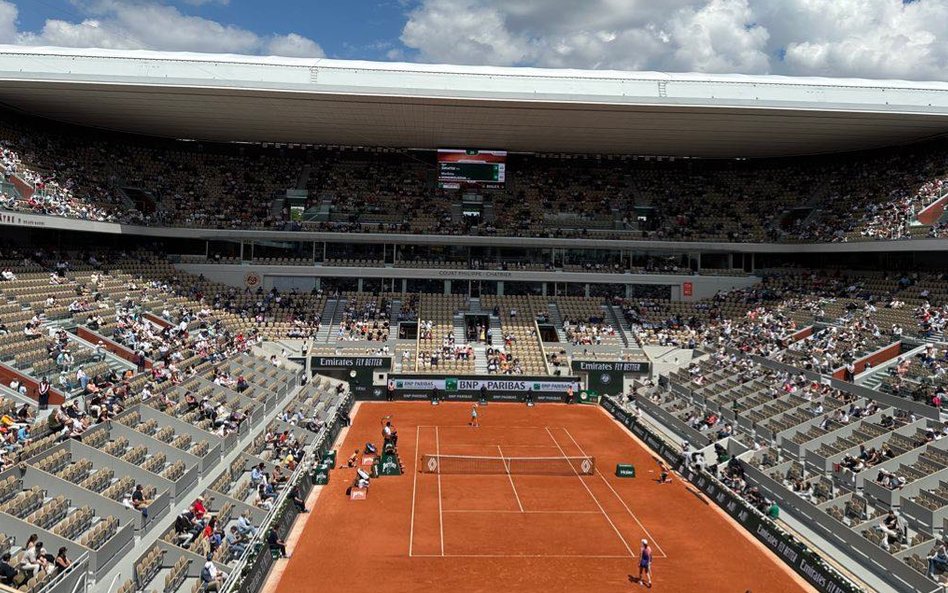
336,102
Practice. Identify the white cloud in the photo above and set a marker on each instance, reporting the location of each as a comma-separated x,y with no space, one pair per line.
294,45
8,15
465,31
719,37
627,34
869,38
124,24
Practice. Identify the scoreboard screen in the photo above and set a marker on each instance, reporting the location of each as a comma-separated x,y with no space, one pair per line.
458,168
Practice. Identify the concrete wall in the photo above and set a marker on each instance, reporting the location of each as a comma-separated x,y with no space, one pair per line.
933,212
8,373
286,277
110,345
878,357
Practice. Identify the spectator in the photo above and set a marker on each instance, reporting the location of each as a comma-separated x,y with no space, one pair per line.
139,502
275,543
236,542
937,560
62,562
33,560
8,573
297,499
212,578
244,526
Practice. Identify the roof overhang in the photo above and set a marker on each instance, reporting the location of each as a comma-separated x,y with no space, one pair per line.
320,101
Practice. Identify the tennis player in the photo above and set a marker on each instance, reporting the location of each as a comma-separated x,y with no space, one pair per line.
474,416
665,473
645,564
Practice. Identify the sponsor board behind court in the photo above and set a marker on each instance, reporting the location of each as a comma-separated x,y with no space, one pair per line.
471,388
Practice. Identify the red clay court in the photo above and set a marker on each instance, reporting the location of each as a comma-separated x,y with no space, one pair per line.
529,533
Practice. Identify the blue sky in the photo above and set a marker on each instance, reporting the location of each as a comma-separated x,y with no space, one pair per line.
841,38
357,29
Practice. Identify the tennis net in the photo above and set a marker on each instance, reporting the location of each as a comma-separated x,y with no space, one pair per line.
543,466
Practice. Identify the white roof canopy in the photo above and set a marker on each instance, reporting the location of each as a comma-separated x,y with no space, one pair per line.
321,101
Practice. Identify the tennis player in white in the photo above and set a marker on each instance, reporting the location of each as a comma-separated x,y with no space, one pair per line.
474,416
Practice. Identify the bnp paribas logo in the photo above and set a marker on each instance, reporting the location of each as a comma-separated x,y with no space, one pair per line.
451,384
536,387
399,385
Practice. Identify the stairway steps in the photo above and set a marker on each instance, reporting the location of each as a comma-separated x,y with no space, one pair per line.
557,320
623,326
326,327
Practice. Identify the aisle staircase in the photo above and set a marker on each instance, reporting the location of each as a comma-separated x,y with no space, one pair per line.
326,326
557,320
622,326
497,332
480,358
460,329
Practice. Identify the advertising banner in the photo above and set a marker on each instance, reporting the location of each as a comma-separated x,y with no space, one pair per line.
256,574
615,366
469,388
382,363
606,377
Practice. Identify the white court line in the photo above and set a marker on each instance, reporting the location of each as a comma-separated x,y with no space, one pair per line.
468,426
522,512
509,477
651,538
596,500
414,488
624,557
440,510
508,445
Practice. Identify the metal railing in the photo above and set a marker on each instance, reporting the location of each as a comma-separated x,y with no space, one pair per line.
79,564
257,544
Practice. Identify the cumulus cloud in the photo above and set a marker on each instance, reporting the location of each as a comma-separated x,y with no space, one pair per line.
867,38
124,24
293,45
870,38
8,15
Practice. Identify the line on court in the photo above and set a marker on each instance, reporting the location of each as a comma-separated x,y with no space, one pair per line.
651,538
521,512
490,426
510,477
517,556
414,488
596,500
514,445
440,510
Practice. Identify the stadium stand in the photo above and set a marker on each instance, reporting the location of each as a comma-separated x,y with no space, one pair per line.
804,199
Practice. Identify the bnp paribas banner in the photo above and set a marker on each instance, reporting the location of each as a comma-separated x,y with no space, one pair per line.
470,388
